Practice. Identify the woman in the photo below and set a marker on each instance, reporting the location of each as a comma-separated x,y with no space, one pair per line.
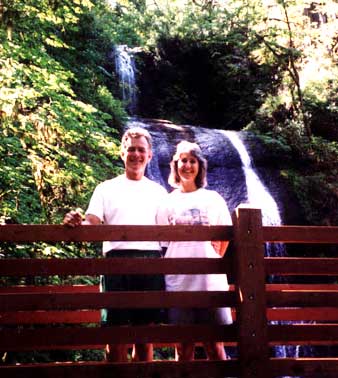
190,203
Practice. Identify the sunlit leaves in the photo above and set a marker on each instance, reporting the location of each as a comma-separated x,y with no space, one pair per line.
57,143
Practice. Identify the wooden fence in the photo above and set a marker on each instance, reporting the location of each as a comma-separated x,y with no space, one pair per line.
60,313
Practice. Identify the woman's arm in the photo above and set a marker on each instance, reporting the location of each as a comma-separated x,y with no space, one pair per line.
220,246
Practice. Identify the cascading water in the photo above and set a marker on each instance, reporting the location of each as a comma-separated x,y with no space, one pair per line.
125,69
258,195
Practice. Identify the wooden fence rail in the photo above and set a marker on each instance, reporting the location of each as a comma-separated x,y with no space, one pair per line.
65,317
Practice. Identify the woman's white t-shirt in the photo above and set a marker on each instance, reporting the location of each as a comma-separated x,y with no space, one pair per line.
205,207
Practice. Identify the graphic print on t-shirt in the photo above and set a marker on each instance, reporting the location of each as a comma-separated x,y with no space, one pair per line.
190,216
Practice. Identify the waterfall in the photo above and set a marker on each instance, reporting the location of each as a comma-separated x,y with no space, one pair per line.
258,195
125,69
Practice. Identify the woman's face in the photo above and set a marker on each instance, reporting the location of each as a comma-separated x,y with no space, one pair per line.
187,167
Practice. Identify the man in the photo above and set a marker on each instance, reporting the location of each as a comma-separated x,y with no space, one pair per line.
130,198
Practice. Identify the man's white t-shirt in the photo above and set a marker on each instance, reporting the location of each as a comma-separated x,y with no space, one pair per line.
121,201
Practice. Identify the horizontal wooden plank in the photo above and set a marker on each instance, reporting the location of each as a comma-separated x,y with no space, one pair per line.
291,298
135,299
97,266
52,338
303,334
304,367
301,314
54,233
301,234
163,369
49,317
304,286
55,338
301,266
93,316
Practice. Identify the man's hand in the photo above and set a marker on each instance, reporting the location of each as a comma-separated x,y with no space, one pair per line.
73,219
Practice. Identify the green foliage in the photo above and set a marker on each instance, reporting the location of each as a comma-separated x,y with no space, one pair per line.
60,120
311,171
17,186
321,103
276,146
317,195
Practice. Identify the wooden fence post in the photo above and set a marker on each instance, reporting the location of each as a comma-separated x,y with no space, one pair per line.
249,271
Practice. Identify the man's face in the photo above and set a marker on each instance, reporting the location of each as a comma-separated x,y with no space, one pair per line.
136,154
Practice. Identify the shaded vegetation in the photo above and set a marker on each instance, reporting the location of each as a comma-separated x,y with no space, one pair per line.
214,84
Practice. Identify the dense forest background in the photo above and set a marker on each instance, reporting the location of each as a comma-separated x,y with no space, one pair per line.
268,66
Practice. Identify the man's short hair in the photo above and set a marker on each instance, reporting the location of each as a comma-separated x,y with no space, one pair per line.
136,132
